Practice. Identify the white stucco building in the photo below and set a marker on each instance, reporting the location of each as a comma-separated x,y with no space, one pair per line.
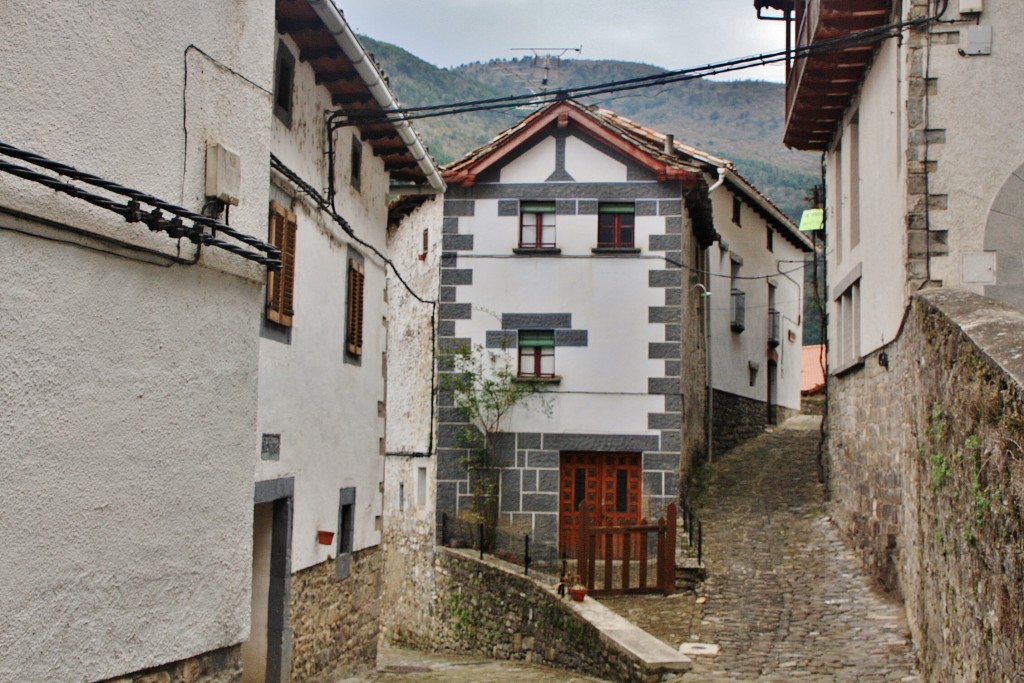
576,245
323,350
915,107
129,406
195,447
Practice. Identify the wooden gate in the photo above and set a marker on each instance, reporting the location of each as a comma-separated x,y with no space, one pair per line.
596,544
611,484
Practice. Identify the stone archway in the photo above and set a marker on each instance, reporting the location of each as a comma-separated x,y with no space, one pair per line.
1004,236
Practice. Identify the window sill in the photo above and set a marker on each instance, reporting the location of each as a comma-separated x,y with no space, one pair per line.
615,250
537,251
848,367
539,380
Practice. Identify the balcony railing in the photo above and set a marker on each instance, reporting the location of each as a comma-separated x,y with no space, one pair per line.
738,310
774,327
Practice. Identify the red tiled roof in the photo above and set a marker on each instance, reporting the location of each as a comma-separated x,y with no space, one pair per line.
812,376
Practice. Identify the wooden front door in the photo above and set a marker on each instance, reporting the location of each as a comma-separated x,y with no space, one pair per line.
611,482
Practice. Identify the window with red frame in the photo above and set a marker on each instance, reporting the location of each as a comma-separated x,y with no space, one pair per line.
536,225
536,353
615,225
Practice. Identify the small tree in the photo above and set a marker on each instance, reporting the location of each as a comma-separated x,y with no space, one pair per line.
485,390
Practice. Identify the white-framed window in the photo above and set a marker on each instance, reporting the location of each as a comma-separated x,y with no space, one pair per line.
848,324
536,353
536,225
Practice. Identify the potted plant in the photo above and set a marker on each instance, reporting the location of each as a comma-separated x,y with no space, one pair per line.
577,591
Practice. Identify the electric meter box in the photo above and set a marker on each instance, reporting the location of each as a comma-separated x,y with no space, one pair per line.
223,174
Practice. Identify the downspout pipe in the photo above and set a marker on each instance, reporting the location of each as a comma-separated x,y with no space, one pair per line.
721,179
367,70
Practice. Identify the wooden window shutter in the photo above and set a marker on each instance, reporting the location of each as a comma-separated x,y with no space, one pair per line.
281,285
354,327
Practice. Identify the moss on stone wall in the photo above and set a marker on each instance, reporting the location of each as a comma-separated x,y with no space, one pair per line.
927,477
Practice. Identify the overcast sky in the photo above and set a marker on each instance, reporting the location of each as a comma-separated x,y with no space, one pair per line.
672,34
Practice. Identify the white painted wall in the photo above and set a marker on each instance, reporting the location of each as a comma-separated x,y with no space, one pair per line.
603,387
978,104
881,253
326,410
130,389
733,351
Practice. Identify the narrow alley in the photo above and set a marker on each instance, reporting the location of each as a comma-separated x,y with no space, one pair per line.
784,600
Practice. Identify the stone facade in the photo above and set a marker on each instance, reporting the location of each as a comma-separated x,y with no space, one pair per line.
738,419
485,609
335,622
219,666
927,476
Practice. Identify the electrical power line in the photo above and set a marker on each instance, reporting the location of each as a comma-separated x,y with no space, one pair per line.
851,41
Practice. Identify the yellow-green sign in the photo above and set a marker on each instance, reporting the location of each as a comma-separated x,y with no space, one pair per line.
811,220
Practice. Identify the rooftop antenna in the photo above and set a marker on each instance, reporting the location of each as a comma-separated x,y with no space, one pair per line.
545,57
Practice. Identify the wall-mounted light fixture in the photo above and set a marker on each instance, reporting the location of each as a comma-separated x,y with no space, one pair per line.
883,360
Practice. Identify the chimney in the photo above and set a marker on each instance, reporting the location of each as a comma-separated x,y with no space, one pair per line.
670,144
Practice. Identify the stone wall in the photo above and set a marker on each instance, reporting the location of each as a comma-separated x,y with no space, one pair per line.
485,608
737,419
335,622
219,666
927,478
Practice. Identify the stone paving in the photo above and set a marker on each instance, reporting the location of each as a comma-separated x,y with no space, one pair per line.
785,600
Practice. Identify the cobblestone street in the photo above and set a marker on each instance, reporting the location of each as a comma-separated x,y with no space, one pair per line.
784,600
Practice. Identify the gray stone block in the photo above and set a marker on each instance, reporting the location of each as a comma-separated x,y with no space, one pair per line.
450,226
646,208
508,207
571,338
663,385
446,328
670,207
668,350
670,277
510,490
673,333
449,259
673,403
447,496
664,420
453,311
587,207
565,207
600,442
540,502
654,461
448,295
671,439
457,242
449,464
674,225
535,321
501,339
547,481
529,478
459,207
664,243
528,440
450,414
543,459
505,449
673,368
673,297
653,484
663,314
456,276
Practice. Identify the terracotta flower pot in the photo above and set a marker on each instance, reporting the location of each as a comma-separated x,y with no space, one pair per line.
324,537
578,594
